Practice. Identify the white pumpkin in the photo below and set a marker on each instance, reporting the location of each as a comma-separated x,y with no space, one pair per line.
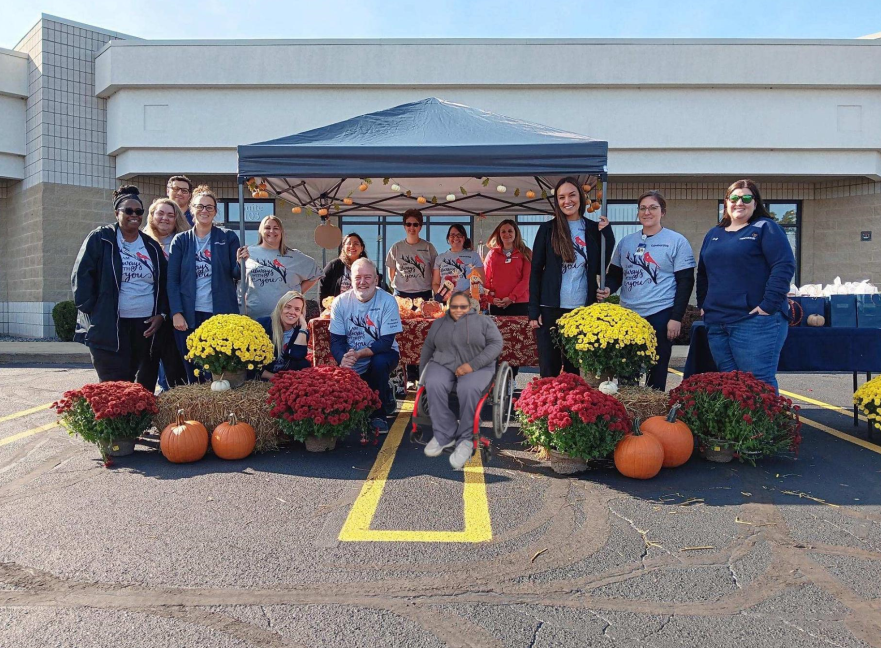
451,197
396,187
609,387
501,188
220,386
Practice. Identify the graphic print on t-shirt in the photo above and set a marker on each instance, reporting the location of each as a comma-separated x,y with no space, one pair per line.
642,265
268,272
136,266
411,267
579,246
361,327
203,264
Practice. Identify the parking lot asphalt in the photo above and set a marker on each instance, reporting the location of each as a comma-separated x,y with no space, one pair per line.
341,549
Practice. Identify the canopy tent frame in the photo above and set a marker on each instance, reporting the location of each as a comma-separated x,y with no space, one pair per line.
403,129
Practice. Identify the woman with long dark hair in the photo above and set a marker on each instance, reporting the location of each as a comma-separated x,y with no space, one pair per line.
565,264
746,264
453,268
337,277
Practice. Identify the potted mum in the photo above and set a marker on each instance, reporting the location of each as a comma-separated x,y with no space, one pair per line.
868,399
227,346
111,415
736,415
607,340
319,405
572,421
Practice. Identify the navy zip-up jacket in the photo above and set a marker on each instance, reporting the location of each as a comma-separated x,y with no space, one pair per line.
546,275
95,280
225,273
738,271
294,356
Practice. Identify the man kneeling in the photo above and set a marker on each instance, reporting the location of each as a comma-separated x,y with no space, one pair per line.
363,325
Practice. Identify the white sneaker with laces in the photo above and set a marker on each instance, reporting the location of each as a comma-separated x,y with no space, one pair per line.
435,449
461,454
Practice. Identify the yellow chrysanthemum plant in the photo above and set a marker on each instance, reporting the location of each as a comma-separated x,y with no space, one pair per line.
229,343
607,339
868,399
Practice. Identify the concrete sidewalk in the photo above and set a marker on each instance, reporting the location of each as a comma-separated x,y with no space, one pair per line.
75,353
44,353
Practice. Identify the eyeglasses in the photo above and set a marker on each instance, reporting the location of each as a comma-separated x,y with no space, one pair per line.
179,190
128,211
746,198
455,236
460,307
412,225
647,208
207,208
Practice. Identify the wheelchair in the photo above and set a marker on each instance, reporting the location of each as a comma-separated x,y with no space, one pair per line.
499,392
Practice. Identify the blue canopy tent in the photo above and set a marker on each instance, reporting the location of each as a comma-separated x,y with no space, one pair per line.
441,157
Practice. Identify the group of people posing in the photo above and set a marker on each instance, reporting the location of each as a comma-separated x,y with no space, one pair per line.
141,292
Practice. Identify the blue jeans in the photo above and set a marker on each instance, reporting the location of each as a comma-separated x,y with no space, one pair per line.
376,375
752,344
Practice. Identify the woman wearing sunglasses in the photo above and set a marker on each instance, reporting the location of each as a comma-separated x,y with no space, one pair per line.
654,268
746,264
410,262
202,272
458,354
118,282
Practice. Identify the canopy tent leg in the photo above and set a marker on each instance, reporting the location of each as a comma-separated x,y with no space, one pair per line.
604,186
242,242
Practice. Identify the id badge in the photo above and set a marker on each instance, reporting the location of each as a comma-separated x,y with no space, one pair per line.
508,260
640,249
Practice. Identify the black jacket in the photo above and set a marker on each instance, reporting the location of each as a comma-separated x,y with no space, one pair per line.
97,273
546,276
294,356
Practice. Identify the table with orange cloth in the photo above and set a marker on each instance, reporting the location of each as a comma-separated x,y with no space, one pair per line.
519,349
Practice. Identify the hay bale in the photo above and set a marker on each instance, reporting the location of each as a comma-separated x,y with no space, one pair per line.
643,402
199,403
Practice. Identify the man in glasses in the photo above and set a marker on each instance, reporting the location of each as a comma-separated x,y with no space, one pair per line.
410,262
179,188
363,324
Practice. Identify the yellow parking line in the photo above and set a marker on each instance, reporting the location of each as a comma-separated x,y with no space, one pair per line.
27,433
868,445
357,527
38,408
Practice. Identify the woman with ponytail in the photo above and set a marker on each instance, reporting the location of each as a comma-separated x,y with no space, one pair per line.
565,264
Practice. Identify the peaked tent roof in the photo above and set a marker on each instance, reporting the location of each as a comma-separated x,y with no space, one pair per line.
423,139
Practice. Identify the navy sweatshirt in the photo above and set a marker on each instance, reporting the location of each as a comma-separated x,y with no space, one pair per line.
740,270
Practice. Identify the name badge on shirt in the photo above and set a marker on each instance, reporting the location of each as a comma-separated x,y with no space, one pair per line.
640,249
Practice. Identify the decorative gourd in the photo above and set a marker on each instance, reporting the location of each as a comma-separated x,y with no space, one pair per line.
184,441
675,437
609,387
233,439
220,385
816,320
638,455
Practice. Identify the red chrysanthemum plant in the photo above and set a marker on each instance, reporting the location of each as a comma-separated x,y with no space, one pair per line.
738,411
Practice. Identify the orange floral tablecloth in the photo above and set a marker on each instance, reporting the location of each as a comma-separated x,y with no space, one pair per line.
519,349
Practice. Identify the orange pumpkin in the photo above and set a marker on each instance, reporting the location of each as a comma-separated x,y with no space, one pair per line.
233,440
184,441
675,437
639,456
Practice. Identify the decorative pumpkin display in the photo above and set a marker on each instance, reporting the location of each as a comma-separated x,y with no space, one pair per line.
296,210
421,200
501,188
432,309
816,320
220,385
322,212
638,455
609,387
797,313
233,439
348,201
184,441
451,197
530,194
675,437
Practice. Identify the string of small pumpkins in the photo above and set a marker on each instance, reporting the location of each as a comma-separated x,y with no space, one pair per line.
259,190
187,441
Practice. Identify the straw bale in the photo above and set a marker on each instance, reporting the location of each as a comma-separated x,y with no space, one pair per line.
199,403
643,402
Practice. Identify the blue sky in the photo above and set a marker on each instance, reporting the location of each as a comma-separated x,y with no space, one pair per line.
199,19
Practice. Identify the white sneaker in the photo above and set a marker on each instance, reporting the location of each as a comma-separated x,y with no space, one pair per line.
461,454
435,449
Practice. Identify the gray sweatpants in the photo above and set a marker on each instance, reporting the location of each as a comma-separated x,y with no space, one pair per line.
439,382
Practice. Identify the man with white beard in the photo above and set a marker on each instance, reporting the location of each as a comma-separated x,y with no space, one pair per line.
363,325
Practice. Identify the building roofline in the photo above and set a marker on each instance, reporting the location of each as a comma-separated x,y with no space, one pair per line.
74,23
9,52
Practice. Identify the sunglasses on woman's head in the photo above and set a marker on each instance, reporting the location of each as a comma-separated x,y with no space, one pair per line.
746,198
128,211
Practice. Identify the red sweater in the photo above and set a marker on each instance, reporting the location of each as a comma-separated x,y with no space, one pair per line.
507,279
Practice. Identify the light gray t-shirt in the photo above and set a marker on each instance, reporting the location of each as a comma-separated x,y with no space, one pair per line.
456,266
363,323
136,289
649,285
413,265
573,289
204,300
271,274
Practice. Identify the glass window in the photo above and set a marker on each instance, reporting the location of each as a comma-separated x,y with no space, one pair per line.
622,216
788,215
255,211
528,224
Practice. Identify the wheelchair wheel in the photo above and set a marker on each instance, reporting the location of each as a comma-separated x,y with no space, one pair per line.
502,399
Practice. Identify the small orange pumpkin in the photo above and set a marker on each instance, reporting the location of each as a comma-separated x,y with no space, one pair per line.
233,440
184,441
639,456
675,437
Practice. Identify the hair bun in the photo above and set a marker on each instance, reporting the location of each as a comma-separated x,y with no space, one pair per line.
126,190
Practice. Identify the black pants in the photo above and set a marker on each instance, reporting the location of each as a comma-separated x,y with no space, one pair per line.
166,351
133,362
423,294
550,357
657,377
514,310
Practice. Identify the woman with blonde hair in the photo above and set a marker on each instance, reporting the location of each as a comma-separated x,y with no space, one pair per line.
507,270
164,220
289,333
273,269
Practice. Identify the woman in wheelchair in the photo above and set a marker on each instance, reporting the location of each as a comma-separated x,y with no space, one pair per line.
459,353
